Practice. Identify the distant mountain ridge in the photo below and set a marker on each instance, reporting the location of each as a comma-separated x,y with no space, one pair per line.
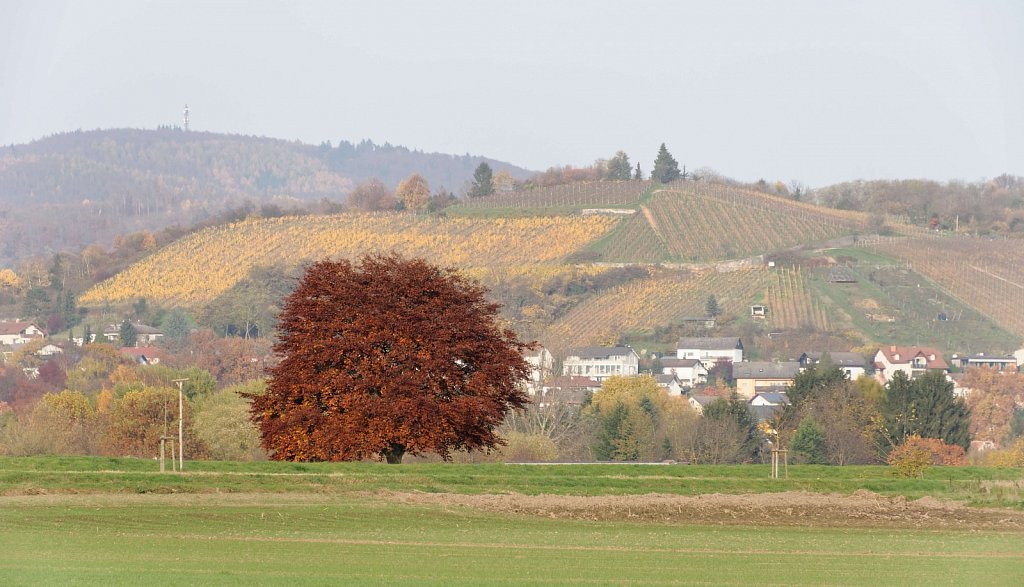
66,191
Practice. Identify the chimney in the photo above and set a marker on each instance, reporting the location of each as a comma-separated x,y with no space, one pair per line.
892,348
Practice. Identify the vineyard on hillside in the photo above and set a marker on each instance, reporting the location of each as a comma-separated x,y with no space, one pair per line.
987,275
701,222
656,302
791,304
199,267
591,193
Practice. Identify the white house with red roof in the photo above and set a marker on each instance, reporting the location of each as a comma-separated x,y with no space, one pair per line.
15,332
912,360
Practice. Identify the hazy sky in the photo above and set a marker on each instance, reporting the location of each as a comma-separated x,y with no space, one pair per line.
816,91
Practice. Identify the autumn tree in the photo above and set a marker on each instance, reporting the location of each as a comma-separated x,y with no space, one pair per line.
666,168
483,179
371,196
414,193
386,356
993,401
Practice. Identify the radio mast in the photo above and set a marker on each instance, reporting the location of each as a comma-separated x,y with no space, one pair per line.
185,117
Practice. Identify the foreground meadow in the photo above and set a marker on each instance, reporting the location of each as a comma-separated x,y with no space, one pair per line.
117,521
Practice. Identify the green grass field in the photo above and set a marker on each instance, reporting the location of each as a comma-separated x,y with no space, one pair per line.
70,521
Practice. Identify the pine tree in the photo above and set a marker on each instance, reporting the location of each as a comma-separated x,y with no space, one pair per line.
128,334
711,307
619,167
926,407
638,174
483,181
666,168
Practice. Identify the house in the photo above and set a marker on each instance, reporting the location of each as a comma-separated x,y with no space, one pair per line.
568,389
49,350
709,350
146,335
1006,363
601,362
853,364
15,332
911,360
541,363
754,377
699,402
669,383
690,372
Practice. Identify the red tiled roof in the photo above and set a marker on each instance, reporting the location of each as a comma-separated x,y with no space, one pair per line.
906,354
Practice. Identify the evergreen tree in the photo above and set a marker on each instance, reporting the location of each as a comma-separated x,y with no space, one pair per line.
128,335
87,335
666,168
711,306
483,181
809,441
926,407
638,174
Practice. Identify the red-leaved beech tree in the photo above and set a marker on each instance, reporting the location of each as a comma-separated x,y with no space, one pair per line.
387,356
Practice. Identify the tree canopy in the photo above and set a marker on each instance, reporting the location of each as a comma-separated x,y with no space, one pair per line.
386,356
925,407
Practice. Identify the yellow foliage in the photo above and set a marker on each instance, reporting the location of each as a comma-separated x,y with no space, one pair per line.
198,268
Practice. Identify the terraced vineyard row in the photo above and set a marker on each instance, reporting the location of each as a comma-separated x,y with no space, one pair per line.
712,223
987,275
199,267
593,193
791,304
658,301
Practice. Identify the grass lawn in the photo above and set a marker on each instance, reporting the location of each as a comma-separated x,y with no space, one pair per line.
89,521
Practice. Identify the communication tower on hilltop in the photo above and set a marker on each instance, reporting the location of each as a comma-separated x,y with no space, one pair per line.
185,117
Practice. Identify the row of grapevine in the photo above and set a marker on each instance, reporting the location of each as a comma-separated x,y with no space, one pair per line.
199,267
658,301
591,193
687,226
790,303
987,275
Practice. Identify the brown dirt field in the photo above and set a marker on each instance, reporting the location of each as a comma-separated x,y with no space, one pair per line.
863,509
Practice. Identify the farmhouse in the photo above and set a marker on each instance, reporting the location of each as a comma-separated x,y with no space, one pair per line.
911,360
852,364
710,350
690,372
541,363
17,332
601,362
754,377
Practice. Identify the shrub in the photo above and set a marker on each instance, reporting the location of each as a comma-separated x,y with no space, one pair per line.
915,455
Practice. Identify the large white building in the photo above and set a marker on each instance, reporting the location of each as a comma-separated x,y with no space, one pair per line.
601,363
710,350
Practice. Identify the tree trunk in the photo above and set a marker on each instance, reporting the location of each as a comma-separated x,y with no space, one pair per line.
394,454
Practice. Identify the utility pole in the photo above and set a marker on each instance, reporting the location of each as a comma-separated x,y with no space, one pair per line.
181,423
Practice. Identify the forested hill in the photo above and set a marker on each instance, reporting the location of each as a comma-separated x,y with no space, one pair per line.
69,190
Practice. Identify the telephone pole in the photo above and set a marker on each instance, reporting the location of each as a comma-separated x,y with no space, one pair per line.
181,421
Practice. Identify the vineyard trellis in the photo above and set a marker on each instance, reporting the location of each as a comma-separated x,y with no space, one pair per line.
589,193
198,268
987,275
